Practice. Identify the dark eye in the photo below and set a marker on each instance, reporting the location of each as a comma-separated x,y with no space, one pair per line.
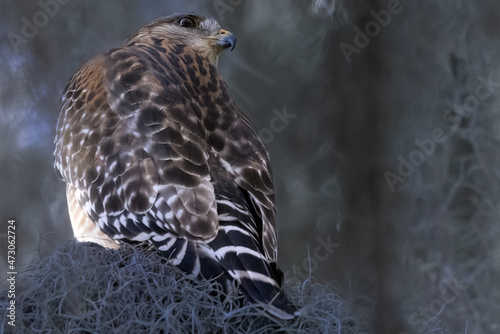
187,22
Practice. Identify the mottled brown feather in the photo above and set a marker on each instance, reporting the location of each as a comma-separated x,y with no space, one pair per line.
153,148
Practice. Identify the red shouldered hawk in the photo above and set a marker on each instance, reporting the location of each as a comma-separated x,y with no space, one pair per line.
153,149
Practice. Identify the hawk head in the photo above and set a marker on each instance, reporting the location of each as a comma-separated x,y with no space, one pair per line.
204,35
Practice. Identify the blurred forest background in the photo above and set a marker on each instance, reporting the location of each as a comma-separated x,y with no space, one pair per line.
386,151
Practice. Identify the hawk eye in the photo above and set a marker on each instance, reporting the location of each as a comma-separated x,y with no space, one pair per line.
187,22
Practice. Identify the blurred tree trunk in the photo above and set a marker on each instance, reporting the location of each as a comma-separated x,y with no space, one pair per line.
362,130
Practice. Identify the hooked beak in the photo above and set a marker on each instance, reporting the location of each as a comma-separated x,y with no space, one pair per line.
227,40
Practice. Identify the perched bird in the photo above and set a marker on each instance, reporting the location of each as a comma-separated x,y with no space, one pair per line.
153,149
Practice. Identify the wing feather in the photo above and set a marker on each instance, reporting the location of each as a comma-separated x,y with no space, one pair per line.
145,152
154,149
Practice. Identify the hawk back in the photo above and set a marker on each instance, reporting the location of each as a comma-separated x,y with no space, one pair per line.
153,149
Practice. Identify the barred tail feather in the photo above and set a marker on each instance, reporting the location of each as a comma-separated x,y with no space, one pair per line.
196,259
237,250
233,257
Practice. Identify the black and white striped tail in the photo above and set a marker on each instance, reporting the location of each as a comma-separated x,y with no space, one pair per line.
234,256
